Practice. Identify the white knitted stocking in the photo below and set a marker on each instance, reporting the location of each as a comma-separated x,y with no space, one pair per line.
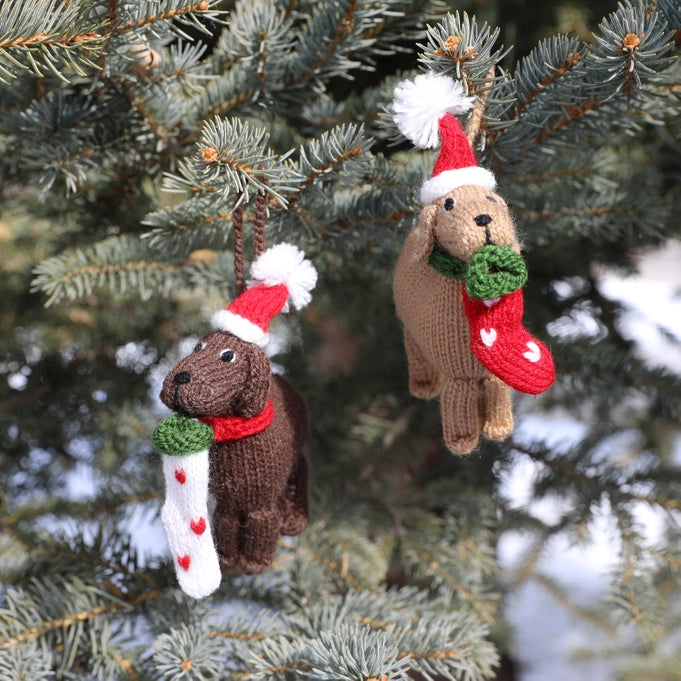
185,518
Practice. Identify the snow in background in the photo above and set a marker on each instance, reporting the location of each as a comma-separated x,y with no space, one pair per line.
549,639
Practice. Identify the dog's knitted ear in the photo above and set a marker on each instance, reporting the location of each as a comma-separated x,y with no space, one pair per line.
426,232
256,392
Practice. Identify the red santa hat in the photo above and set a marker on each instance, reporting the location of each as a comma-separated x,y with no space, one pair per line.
281,275
424,110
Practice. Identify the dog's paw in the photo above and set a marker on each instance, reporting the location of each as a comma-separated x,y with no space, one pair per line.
498,430
253,567
293,524
227,561
462,444
425,388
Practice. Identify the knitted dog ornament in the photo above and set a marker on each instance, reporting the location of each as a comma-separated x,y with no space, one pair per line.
458,280
239,433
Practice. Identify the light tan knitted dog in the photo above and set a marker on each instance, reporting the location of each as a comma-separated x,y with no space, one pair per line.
458,280
436,331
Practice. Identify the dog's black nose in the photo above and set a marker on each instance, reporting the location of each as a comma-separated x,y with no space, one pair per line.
482,220
182,377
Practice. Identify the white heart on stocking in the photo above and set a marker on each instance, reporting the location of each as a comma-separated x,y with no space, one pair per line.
533,353
488,337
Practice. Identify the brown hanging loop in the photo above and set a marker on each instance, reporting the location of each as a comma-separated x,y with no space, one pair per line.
474,122
238,231
259,243
259,240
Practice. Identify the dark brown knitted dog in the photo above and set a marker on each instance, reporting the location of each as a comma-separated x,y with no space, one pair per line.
258,479
251,456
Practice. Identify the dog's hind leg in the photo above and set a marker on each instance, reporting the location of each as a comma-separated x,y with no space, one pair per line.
294,505
424,378
460,413
258,540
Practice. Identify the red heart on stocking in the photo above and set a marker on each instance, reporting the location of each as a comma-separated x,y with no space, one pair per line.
184,561
198,526
180,475
504,347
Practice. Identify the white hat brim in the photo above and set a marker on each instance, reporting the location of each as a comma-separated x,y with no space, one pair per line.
448,180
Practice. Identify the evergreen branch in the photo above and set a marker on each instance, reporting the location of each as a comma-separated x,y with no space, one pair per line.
548,176
436,567
42,38
47,37
630,54
70,620
76,274
345,27
558,55
630,595
457,46
232,157
580,612
221,105
192,223
609,488
633,43
331,152
597,211
339,568
84,510
174,13
237,635
570,115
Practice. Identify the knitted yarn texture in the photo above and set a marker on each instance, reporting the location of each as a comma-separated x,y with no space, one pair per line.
495,271
458,278
236,427
185,512
505,347
257,424
258,480
179,435
464,349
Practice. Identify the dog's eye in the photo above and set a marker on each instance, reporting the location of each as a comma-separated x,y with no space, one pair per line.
227,356
491,198
199,346
449,203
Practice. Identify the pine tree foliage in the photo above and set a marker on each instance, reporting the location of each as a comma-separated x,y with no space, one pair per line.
130,132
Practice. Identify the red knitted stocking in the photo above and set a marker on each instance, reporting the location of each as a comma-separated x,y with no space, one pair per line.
504,347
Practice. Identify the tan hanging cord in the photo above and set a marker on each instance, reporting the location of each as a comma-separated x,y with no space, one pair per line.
475,121
259,240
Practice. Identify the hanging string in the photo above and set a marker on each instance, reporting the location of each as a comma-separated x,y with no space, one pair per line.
238,231
259,243
259,239
474,122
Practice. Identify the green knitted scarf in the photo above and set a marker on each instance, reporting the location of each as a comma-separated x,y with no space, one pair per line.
447,265
179,435
492,272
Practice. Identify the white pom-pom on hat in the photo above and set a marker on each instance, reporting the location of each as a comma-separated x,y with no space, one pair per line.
425,111
420,104
286,264
280,275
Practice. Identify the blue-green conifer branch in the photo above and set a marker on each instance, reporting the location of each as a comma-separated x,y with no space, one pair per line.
126,143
